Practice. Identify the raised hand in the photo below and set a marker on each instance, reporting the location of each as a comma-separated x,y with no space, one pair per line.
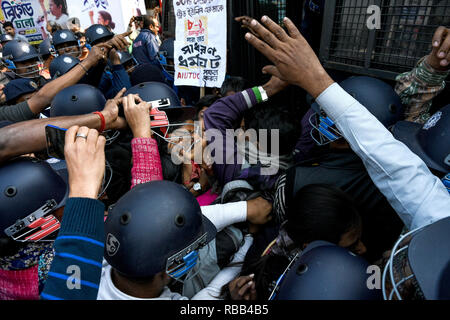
294,60
439,58
84,152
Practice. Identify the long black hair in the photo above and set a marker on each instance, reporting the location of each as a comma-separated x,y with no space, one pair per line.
317,212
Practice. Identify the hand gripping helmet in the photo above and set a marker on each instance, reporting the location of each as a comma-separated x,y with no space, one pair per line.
62,64
419,265
29,192
324,271
4,38
80,99
65,42
156,226
127,61
377,96
98,33
166,53
431,141
167,110
21,51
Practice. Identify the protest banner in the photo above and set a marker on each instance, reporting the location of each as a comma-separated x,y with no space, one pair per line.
200,45
27,18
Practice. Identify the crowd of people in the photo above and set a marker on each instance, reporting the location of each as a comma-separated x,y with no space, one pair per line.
161,193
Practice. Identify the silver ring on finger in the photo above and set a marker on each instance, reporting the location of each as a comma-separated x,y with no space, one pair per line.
80,135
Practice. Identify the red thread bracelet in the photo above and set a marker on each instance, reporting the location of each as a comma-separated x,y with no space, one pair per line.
102,118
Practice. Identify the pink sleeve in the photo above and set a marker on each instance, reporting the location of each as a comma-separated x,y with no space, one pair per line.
146,161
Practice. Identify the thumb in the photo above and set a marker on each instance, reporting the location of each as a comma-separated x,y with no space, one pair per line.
273,71
126,34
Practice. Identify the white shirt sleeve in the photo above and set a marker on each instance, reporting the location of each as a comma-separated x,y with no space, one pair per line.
224,215
418,197
212,291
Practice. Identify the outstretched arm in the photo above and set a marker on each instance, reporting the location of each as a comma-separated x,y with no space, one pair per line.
29,136
418,197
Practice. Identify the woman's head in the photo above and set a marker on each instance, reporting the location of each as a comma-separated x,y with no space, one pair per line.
58,7
324,212
104,18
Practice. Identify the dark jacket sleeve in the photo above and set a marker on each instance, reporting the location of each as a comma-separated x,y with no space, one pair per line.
76,268
224,114
120,80
17,113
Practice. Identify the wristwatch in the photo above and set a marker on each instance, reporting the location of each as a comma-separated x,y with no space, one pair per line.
197,187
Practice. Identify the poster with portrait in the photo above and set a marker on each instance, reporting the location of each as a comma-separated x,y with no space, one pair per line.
114,14
26,17
200,45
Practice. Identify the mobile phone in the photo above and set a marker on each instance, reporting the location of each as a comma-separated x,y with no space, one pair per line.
56,138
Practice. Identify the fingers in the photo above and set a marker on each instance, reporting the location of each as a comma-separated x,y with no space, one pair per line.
438,36
272,70
101,142
274,28
70,135
244,279
91,141
125,104
264,34
82,131
292,29
444,50
120,93
245,288
261,46
126,34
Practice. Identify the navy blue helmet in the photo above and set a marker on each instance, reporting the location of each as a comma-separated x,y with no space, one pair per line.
78,99
62,64
98,33
21,51
431,141
45,49
325,271
127,61
377,96
65,42
29,192
171,104
156,226
419,265
5,38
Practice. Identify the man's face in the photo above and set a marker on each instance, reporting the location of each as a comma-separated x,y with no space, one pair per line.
10,31
155,27
70,48
28,69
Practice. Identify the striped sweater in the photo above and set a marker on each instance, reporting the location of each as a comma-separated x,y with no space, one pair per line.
76,268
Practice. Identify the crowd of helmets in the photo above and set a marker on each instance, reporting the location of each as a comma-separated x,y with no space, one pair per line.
327,231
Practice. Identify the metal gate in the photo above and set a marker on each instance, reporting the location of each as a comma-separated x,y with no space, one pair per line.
404,36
